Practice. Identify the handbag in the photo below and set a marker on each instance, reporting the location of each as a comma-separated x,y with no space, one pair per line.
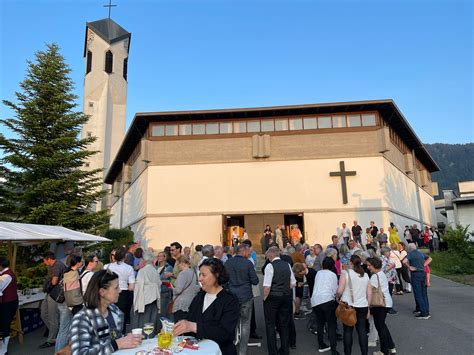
345,313
57,292
378,298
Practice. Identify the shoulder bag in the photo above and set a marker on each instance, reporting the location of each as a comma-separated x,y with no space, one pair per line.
405,270
169,309
345,313
378,298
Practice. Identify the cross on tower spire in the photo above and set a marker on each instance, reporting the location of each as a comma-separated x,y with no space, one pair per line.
110,7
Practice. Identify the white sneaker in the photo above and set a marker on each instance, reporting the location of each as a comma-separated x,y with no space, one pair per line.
378,353
393,351
323,350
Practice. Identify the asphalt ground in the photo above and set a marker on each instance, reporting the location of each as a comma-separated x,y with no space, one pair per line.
449,331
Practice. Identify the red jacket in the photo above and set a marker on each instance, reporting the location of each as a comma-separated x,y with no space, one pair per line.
10,293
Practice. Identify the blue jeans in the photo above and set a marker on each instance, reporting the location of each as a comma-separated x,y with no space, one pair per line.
245,316
418,283
65,320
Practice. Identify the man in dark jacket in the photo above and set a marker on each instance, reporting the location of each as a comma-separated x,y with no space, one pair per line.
242,276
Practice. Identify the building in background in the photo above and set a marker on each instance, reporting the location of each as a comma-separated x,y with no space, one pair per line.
190,175
458,210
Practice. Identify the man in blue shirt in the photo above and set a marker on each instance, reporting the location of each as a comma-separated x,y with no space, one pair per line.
417,261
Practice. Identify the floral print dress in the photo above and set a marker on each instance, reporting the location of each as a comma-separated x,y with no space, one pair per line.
392,273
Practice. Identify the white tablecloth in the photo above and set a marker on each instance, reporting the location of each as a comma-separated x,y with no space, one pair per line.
28,302
206,346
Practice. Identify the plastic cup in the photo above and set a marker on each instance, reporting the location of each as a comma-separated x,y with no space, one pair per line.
137,331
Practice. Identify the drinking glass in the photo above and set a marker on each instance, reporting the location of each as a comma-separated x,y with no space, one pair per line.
164,340
148,329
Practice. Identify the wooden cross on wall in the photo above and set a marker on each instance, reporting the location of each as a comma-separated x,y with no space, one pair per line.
343,173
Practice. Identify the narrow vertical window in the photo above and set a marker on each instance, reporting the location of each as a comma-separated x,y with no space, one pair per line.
109,60
89,62
125,68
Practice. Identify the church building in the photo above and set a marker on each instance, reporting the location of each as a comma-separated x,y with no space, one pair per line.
194,176
190,176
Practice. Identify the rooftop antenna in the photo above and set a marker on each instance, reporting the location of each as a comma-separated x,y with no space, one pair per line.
110,7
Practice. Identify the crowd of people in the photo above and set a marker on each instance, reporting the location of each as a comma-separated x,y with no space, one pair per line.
210,291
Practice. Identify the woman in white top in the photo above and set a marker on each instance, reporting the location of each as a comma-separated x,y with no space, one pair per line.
354,289
126,282
309,260
397,259
324,305
380,313
146,296
405,273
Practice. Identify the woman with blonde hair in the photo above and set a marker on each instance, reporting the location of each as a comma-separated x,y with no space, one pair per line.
184,290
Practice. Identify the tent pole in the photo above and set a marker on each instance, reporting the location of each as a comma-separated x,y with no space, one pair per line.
13,259
12,253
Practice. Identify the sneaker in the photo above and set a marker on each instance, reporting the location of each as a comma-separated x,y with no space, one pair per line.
323,348
299,316
393,312
378,353
392,351
423,317
46,345
416,314
372,344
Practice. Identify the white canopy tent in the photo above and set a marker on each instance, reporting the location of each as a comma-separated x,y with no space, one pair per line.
23,232
26,234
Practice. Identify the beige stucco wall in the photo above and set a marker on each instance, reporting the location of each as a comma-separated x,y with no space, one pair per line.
160,232
186,202
134,203
466,216
259,187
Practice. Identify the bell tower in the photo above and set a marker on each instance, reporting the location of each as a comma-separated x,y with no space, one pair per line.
106,49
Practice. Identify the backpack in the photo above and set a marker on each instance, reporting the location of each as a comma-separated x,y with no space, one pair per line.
72,289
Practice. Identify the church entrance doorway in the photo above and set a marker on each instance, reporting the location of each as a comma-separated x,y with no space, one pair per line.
254,225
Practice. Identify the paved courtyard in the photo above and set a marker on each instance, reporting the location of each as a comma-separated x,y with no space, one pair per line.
449,331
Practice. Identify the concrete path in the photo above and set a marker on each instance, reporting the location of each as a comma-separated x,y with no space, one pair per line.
449,331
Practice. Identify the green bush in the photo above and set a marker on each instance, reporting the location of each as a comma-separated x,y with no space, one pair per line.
31,276
459,240
450,262
118,237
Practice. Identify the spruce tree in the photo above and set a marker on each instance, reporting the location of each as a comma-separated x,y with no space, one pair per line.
44,180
